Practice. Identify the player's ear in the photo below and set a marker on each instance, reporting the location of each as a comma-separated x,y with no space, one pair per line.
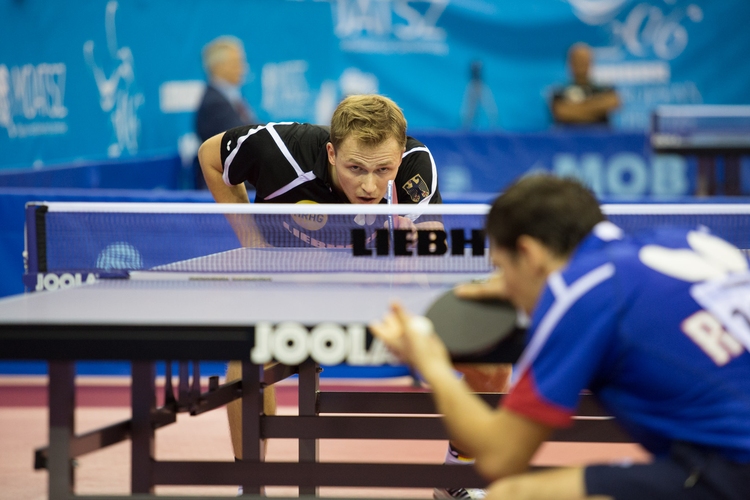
331,153
533,252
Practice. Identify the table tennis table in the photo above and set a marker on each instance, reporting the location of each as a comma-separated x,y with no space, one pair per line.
143,317
707,132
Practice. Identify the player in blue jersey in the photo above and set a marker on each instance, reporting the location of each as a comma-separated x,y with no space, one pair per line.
656,325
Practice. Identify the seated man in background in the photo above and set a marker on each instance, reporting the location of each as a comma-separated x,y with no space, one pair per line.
582,102
352,162
657,326
222,106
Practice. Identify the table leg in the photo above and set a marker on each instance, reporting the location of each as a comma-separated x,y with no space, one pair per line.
61,428
308,396
143,394
252,407
732,177
706,181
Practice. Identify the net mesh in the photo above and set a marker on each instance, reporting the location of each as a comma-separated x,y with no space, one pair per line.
105,240
701,126
733,227
688,120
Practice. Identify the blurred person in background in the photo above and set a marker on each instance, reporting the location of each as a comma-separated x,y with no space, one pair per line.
222,106
582,102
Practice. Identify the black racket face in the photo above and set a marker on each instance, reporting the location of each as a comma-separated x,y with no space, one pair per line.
469,326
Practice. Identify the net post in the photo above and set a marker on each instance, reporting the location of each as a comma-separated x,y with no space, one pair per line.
35,251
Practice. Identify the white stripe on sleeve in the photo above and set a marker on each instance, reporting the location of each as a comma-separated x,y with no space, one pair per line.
235,149
565,298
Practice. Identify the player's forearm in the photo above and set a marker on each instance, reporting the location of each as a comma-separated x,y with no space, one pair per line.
468,419
227,194
604,103
582,112
430,225
502,442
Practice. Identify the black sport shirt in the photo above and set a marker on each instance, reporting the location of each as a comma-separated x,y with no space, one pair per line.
288,163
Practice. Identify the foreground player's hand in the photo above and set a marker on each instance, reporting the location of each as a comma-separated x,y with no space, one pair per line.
405,223
491,288
412,339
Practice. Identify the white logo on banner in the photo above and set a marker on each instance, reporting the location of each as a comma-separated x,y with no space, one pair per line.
286,93
648,29
646,36
118,95
626,174
390,26
596,11
352,81
32,99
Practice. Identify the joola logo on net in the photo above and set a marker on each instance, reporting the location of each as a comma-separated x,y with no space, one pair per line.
406,242
52,281
292,343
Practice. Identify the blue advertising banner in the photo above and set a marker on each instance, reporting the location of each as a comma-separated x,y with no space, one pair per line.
613,164
97,79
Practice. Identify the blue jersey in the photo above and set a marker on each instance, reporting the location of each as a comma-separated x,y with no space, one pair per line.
636,321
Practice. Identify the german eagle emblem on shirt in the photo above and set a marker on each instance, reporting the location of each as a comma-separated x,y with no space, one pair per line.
416,188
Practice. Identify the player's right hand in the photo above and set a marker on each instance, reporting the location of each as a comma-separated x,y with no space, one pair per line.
414,342
491,288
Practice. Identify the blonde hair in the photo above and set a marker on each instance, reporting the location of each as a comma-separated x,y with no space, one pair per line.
218,49
371,119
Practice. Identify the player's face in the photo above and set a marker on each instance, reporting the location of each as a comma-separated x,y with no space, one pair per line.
361,172
524,277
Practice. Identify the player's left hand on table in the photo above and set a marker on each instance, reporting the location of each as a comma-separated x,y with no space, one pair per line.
403,223
411,338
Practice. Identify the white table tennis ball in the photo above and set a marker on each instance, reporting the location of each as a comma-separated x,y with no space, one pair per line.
421,325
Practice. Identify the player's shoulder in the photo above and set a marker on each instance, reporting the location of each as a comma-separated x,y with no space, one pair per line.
303,141
599,254
641,258
287,131
413,144
558,91
671,237
302,132
416,179
417,158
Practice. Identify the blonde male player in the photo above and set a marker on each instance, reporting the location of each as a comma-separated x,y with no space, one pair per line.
366,147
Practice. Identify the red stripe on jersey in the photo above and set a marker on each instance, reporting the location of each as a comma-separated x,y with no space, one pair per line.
526,400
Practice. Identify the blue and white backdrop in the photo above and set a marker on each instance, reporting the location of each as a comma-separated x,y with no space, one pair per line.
98,79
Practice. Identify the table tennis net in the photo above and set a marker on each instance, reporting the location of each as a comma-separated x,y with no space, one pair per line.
258,239
701,119
208,238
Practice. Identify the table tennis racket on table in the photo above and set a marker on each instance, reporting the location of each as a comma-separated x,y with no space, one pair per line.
477,331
